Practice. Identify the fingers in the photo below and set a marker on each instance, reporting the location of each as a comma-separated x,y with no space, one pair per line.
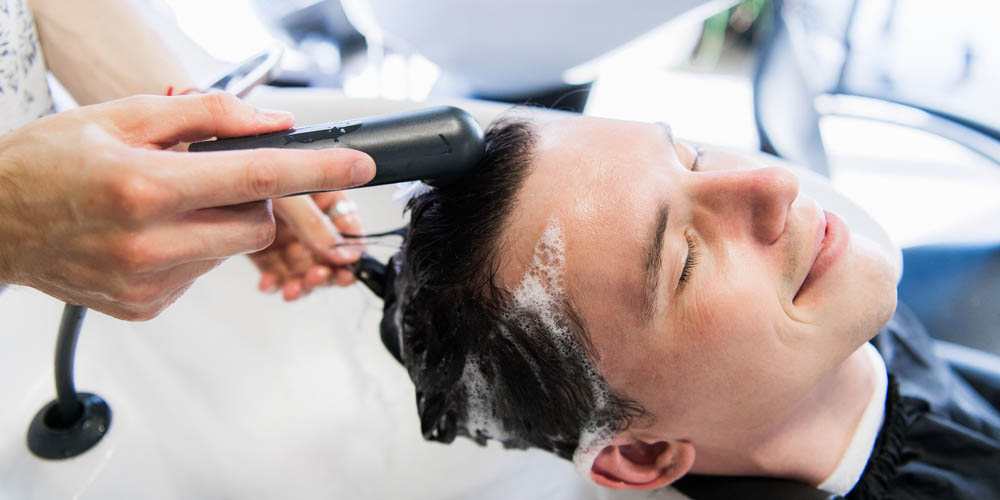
293,290
272,268
304,257
186,181
295,272
295,286
220,178
226,231
314,229
343,277
298,258
268,282
214,233
166,121
317,276
291,269
341,210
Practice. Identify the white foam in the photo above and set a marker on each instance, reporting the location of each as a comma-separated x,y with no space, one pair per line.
405,191
592,441
479,411
541,288
542,292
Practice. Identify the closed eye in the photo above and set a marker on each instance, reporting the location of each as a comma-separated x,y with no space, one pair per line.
689,262
696,164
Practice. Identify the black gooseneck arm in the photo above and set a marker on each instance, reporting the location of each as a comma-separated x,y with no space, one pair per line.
68,409
75,421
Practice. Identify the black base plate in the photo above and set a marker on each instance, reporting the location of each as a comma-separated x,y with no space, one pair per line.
47,438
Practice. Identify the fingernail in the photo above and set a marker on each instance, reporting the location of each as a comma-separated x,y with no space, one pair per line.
348,254
323,273
276,115
268,284
362,171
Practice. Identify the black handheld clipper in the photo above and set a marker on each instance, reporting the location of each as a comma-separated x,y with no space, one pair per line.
436,145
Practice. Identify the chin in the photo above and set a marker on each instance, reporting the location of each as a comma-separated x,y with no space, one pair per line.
876,301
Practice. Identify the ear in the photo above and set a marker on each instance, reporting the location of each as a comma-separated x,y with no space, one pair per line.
636,465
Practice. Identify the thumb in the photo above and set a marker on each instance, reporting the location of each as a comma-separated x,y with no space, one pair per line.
314,229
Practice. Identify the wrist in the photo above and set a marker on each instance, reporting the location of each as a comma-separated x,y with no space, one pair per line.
6,252
8,214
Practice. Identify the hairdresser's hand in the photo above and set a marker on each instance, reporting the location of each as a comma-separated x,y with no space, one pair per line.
308,251
95,210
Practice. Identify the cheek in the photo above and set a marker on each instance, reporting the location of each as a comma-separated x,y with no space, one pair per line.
734,334
737,335
706,339
731,306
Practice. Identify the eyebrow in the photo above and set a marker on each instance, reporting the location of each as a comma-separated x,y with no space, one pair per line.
653,262
654,247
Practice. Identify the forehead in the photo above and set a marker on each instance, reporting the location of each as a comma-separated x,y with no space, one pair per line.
602,180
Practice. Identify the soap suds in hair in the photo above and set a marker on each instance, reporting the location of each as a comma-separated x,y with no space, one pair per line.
406,191
541,294
480,422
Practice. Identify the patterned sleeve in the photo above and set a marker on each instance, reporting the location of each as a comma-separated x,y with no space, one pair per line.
24,90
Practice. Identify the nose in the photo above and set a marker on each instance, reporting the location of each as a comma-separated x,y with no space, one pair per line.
754,202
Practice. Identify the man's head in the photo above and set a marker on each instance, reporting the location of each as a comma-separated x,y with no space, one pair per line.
606,279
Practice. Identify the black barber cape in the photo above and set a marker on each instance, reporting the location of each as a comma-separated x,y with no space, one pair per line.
940,439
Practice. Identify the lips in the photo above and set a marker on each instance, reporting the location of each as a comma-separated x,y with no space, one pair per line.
833,245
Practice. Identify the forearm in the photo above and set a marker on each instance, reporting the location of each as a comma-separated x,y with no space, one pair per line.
106,49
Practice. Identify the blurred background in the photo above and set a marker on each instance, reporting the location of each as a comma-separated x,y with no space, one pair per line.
231,393
893,99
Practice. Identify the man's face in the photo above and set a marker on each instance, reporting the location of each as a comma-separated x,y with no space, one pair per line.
714,294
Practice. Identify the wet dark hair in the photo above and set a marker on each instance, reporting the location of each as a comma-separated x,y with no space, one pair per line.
445,313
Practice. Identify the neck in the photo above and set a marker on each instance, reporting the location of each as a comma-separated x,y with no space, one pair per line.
809,441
